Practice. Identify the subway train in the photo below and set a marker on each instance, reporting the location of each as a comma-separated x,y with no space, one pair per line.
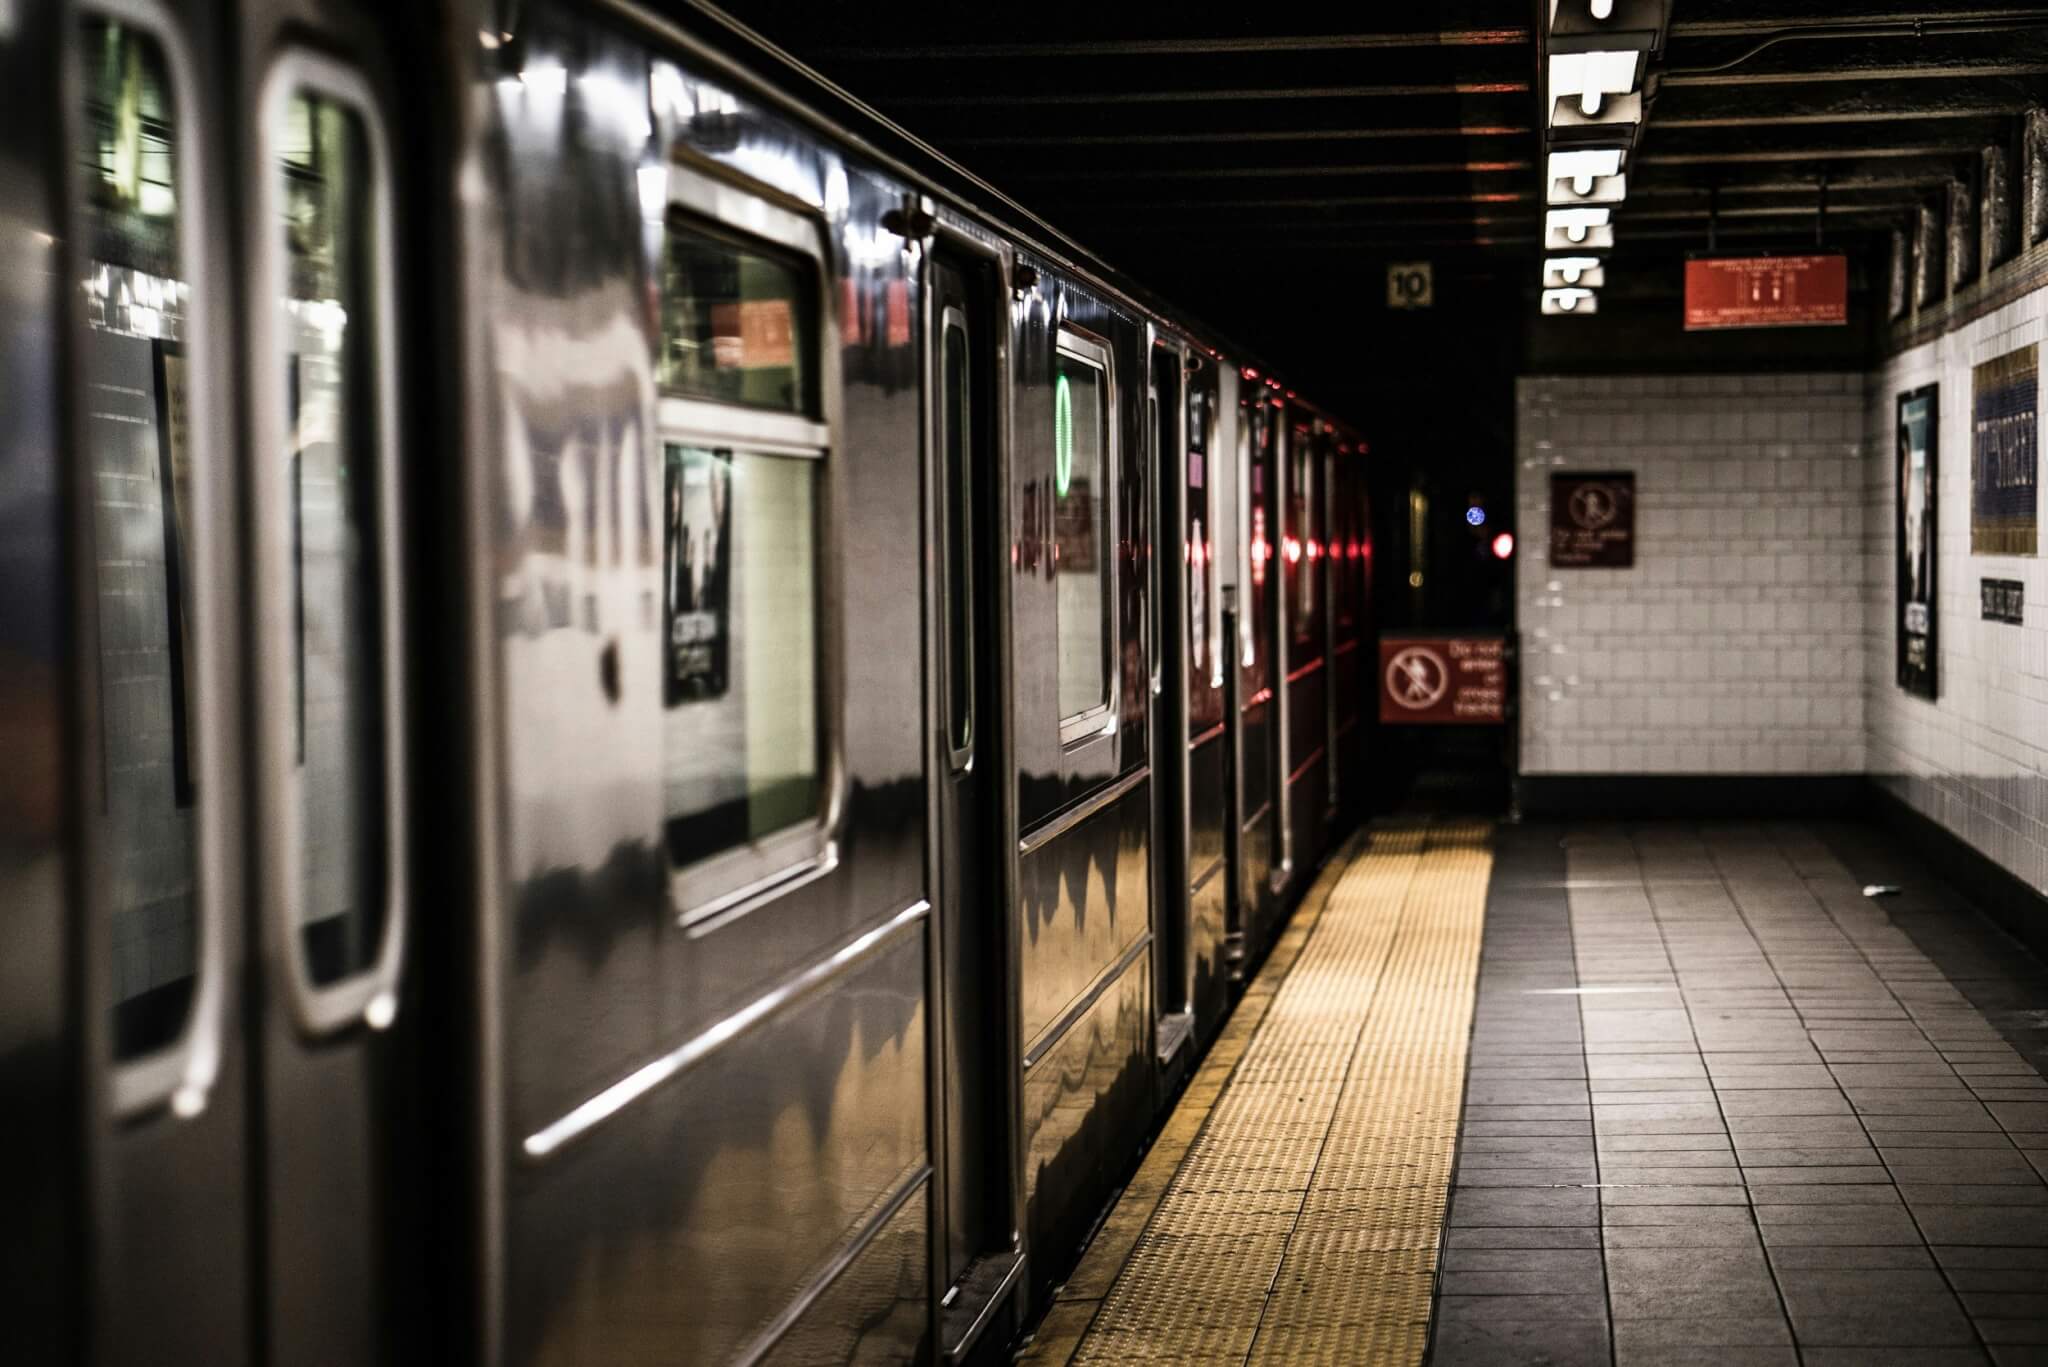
643,724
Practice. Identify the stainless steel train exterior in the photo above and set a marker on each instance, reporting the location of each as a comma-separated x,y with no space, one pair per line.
646,725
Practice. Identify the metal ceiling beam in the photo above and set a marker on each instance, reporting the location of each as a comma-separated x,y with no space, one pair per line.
1989,97
1116,97
1276,172
1670,145
1263,135
1266,44
1841,177
1734,156
1777,20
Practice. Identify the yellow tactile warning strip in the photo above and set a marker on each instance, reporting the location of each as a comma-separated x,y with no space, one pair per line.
1292,1210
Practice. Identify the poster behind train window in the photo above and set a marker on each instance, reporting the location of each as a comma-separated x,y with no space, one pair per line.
697,574
2004,467
1915,525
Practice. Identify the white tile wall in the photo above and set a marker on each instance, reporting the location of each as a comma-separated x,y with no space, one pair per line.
1976,758
1737,644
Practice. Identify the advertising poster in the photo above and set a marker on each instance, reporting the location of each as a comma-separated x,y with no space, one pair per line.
1443,680
2004,466
1915,526
697,575
1593,521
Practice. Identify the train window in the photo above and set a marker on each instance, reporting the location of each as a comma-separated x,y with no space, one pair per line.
738,325
1082,474
138,448
1201,530
321,150
956,433
744,734
1304,532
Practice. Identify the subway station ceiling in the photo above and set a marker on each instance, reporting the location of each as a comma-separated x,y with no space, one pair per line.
1284,150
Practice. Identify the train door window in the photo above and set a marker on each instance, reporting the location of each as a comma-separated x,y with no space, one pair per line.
744,449
1204,637
139,452
1304,531
1083,471
955,425
334,474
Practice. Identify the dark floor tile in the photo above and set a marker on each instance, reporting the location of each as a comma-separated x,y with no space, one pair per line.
1521,1282
1822,1194
1569,1206
1750,1296
2029,1304
1582,1260
1844,1257
1974,1194
1519,1343
1524,1236
1636,1339
2024,1226
1708,1355
1509,1309
1894,1357
1689,1235
2030,1332
2034,1258
1688,1194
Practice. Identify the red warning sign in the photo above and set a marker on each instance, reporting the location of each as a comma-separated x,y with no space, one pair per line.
1766,291
1443,680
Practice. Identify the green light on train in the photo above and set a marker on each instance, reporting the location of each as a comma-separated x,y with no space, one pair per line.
1063,436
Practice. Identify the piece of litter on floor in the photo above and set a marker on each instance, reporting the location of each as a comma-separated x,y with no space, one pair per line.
1880,889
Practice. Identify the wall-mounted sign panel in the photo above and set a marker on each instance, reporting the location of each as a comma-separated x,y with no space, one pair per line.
1410,285
2003,600
1593,521
1766,291
1443,680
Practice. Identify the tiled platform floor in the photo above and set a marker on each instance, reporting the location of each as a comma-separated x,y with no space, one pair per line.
1724,1109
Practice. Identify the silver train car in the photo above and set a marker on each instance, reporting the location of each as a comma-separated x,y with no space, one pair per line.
643,724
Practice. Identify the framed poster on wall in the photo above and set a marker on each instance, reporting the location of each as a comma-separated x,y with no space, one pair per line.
1915,524
2005,486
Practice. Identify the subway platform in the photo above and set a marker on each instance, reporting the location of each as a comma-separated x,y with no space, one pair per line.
1671,1093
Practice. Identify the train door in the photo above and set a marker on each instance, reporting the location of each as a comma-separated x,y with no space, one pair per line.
1172,947
1202,738
320,121
974,1123
155,761
1259,738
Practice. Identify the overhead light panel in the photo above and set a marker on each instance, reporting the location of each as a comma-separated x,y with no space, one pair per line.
1584,166
1568,272
1577,224
1570,301
1605,190
1590,77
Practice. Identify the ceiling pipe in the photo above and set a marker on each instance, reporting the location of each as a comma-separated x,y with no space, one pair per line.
1884,28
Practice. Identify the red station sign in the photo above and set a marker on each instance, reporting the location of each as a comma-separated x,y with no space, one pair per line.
1766,291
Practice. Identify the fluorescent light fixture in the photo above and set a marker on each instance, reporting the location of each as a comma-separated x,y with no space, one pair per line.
1606,190
1591,77
1567,272
1572,301
1577,224
1558,243
1584,167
